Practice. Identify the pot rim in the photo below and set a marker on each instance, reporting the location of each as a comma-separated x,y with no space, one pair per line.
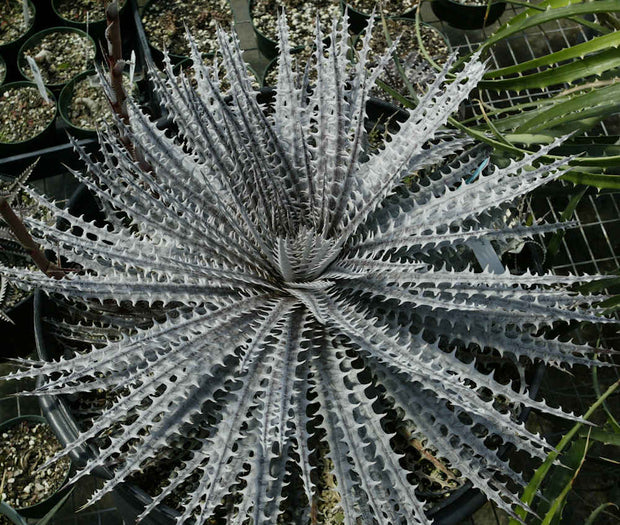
33,39
78,23
44,503
25,33
29,140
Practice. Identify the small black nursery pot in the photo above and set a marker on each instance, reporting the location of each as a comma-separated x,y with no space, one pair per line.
71,106
83,105
2,70
414,71
300,17
165,26
26,120
14,29
468,14
360,11
11,514
32,442
60,53
87,15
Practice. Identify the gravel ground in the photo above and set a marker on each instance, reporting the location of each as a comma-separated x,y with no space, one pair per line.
12,24
390,7
300,14
23,449
77,10
164,24
89,108
23,114
60,56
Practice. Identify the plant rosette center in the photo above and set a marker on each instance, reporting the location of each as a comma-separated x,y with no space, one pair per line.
60,55
23,113
24,448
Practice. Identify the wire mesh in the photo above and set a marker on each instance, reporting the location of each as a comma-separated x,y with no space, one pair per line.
591,248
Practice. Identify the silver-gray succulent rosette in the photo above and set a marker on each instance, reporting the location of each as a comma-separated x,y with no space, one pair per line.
298,281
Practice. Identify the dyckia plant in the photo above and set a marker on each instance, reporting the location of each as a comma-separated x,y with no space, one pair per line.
302,288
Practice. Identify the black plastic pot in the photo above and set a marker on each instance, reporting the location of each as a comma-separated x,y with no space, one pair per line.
41,140
9,48
95,28
3,70
11,514
420,86
18,337
64,102
359,19
42,508
467,16
156,52
267,45
36,38
185,64
273,64
130,500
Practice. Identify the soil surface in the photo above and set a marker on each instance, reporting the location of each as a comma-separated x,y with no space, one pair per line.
60,56
390,7
164,24
12,23
23,449
77,10
89,108
23,114
301,17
